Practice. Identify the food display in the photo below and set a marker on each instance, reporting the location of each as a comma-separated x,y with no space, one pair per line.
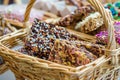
61,40
56,44
84,19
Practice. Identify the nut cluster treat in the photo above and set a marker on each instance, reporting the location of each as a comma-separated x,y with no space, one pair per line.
90,23
53,43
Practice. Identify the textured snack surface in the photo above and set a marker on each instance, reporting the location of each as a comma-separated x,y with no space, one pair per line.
42,36
56,44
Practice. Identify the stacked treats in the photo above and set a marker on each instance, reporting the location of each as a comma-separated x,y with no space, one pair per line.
56,44
84,19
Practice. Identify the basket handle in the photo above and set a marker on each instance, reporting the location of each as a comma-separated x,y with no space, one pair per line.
26,23
28,10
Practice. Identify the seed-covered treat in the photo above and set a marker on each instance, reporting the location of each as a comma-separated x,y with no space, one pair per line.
53,43
74,53
92,47
102,36
42,36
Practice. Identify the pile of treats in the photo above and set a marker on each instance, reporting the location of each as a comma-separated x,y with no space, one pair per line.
56,44
84,19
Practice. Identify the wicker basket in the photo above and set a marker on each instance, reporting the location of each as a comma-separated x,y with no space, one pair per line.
31,68
13,25
5,24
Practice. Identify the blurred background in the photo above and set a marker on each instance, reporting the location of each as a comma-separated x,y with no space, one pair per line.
5,2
